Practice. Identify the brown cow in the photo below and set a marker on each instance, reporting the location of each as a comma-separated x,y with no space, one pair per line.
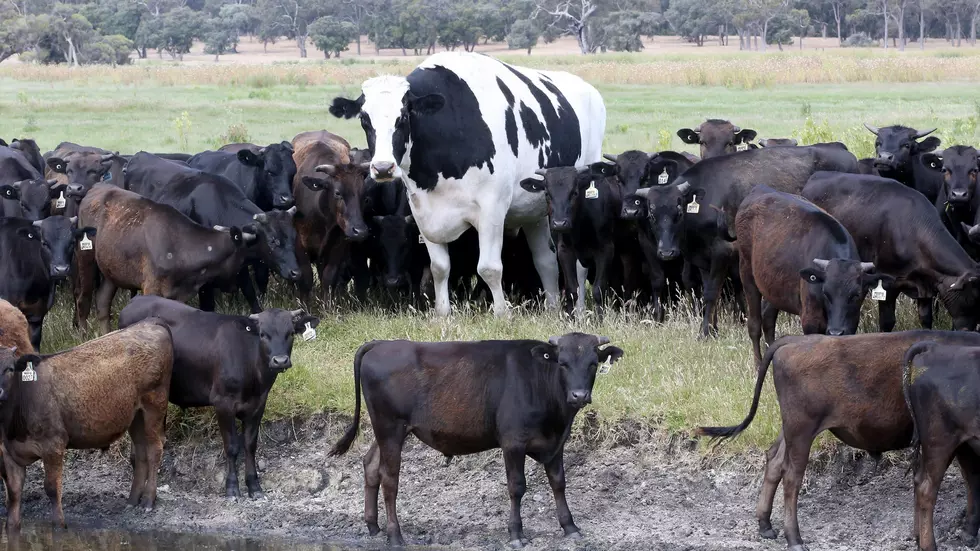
329,191
14,332
851,386
153,248
718,137
49,405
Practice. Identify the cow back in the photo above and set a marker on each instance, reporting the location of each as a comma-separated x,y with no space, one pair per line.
13,329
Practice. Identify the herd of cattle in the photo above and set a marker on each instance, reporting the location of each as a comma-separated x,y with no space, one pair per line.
478,168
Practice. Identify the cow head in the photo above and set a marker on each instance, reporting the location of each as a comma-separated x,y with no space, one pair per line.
387,109
277,240
59,236
896,145
961,294
666,209
839,287
275,329
342,196
959,165
30,150
562,186
398,236
84,170
716,137
577,357
34,196
778,142
275,171
630,168
11,367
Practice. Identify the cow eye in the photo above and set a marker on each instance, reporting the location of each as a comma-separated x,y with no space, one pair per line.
905,146
637,202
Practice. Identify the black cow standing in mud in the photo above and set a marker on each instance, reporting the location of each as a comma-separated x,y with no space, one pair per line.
462,130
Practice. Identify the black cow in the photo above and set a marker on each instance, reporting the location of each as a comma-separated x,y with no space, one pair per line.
31,199
265,174
800,260
778,142
81,167
718,137
898,155
31,152
685,219
900,231
213,200
228,362
958,200
37,255
467,397
14,167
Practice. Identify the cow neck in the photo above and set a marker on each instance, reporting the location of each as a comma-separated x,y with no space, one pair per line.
13,414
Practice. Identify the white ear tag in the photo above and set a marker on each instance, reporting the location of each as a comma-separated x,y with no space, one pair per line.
29,375
60,202
85,244
878,293
662,179
592,192
605,367
742,147
693,207
309,334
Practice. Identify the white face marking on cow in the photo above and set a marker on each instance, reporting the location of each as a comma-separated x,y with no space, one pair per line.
383,105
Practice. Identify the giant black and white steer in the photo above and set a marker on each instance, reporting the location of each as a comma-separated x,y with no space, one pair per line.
462,130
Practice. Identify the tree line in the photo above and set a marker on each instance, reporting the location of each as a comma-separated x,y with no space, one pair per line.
111,31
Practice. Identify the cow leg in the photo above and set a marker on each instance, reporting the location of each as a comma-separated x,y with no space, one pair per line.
925,311
490,266
205,296
797,455
244,280
261,272
251,430
15,489
103,303
970,468
712,288
753,302
391,439
928,477
603,263
569,272
439,267
53,467
516,486
232,441
775,459
656,274
155,427
304,287
137,433
556,477
769,316
83,285
35,324
372,482
543,255
886,312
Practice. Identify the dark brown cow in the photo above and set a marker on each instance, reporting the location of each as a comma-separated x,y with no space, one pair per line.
14,331
778,142
329,190
123,387
81,167
718,137
849,385
467,397
153,248
801,261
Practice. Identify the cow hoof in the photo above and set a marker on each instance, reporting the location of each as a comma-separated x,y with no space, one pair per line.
798,547
516,544
574,536
373,528
768,533
257,495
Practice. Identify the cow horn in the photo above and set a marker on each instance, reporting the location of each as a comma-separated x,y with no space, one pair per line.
249,237
287,145
872,129
221,228
328,169
610,157
763,142
794,141
582,169
603,340
821,263
541,172
684,187
261,151
923,134
52,182
291,210
260,217
107,157
643,192
553,341
253,317
364,166
297,313
737,129
73,219
37,223
867,267
16,185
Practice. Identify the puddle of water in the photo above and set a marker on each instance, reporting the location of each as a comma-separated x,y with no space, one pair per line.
41,537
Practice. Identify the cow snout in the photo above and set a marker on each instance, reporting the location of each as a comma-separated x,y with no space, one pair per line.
561,225
958,196
76,190
280,362
383,170
579,398
59,270
394,281
283,202
629,213
668,253
293,275
885,159
357,233
835,332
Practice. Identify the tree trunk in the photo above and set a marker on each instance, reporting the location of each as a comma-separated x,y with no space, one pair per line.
801,41
837,18
142,53
301,44
215,58
901,28
358,41
884,16
326,54
922,27
959,31
823,30
583,40
404,53
741,39
529,50
973,25
765,33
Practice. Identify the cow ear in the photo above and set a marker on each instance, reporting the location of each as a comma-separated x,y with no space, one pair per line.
547,353
315,184
299,322
28,233
248,158
246,325
56,190
288,146
9,192
873,279
929,144
532,185
346,108
688,136
603,169
3,143
933,161
812,275
611,354
57,164
82,232
428,104
746,136
22,362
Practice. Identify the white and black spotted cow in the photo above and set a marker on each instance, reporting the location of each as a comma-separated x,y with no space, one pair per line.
462,130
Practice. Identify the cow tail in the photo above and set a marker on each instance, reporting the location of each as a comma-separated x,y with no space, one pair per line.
345,442
729,432
910,355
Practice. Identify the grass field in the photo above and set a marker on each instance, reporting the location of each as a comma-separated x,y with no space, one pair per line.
668,381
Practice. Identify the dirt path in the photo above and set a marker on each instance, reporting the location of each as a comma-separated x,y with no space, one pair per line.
649,496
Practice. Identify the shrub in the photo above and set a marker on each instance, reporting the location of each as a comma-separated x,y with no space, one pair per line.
859,40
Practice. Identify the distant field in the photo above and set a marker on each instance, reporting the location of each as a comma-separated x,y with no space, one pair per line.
668,380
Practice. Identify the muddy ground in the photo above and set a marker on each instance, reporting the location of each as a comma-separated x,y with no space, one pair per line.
657,495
